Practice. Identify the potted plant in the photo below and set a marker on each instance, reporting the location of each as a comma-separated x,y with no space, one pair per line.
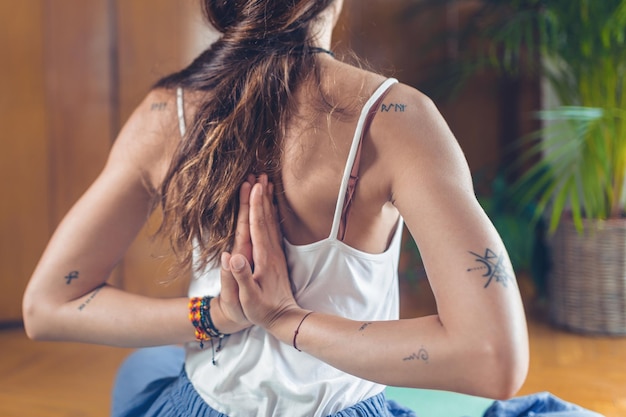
576,163
579,164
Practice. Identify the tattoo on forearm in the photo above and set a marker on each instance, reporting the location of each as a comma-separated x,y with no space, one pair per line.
421,355
364,326
494,267
69,277
158,106
91,297
394,107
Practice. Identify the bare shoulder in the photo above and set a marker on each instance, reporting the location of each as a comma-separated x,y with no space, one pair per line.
348,86
405,109
415,143
149,137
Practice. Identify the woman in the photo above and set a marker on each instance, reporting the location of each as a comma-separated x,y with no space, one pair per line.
267,111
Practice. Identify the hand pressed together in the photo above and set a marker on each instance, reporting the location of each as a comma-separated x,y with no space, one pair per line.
228,300
264,287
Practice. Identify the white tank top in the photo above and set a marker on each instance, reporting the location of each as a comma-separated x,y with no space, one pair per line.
257,375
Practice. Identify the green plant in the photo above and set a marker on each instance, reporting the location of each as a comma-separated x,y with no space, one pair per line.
582,165
578,160
581,157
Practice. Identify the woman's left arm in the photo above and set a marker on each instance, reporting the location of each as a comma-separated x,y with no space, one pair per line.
419,352
476,344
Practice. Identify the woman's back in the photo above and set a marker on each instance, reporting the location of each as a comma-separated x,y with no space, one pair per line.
316,148
328,275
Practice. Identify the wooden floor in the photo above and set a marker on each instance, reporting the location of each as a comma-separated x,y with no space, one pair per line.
72,380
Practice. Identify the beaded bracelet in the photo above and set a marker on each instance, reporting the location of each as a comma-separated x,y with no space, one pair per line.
207,322
195,316
200,317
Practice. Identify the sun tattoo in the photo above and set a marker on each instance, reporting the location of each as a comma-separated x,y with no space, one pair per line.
495,267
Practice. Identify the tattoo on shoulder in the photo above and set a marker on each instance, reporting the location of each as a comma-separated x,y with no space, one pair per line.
393,107
91,296
69,277
494,267
364,326
420,356
158,106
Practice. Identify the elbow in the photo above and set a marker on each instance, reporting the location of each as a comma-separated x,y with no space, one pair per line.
505,368
507,383
36,317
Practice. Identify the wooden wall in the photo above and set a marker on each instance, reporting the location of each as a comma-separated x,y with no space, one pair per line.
24,164
486,115
73,70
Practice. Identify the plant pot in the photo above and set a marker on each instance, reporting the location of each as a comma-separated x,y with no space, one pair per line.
587,282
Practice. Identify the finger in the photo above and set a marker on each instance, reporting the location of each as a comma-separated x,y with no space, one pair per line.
225,261
242,243
242,272
272,215
259,231
244,210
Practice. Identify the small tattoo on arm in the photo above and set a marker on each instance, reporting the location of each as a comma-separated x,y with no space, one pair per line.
90,298
421,355
69,277
393,107
364,326
494,267
158,106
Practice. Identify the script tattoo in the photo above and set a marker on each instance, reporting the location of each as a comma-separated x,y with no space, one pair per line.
395,107
158,106
69,277
495,267
90,298
364,326
421,355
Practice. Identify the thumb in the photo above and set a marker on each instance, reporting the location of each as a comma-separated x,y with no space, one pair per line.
242,272
229,285
238,263
240,268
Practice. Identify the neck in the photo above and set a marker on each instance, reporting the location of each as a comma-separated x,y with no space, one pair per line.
322,30
323,39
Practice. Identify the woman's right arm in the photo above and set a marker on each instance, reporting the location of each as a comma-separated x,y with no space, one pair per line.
68,297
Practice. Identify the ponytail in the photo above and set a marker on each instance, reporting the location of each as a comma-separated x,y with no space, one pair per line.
248,76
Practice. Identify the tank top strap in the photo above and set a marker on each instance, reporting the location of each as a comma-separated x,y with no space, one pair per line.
350,175
180,107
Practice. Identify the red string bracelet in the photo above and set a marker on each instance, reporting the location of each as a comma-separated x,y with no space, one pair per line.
295,334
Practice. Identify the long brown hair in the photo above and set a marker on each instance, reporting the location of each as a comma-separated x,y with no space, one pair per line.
249,75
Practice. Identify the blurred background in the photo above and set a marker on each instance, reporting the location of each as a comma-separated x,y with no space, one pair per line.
72,72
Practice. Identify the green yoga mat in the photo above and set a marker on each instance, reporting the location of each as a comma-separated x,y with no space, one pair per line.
431,403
